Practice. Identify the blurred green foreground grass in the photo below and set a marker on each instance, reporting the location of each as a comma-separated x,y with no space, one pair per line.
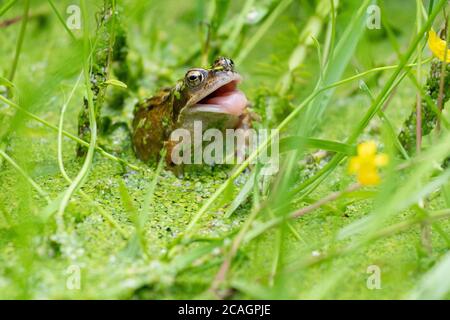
135,231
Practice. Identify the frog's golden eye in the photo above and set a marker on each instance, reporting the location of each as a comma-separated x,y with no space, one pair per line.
195,77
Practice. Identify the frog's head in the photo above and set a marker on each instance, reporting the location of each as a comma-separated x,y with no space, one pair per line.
213,90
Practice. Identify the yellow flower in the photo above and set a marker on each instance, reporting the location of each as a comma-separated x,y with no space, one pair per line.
438,46
365,164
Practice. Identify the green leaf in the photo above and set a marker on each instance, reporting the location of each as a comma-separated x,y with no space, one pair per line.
226,197
185,260
293,142
116,83
5,82
127,202
242,196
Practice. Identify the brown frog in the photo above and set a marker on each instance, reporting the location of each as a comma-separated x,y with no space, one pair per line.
207,95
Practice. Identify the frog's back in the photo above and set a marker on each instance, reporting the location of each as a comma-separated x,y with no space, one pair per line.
152,125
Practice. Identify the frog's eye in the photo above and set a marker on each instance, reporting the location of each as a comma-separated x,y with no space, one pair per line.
225,63
230,63
194,77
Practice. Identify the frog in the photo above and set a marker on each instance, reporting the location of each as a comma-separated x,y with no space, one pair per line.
209,95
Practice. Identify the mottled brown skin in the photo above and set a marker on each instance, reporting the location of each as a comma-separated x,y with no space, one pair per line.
153,122
156,117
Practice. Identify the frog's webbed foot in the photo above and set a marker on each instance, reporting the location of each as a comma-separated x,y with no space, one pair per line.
247,118
245,124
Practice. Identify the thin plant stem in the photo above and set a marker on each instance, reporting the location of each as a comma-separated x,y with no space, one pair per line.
333,30
105,214
82,174
425,228
240,20
250,44
60,129
60,18
419,78
331,197
6,7
441,81
23,28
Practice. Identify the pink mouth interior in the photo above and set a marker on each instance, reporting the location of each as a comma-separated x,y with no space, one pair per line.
226,99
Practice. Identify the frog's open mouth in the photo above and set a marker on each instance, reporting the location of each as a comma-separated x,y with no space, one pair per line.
224,99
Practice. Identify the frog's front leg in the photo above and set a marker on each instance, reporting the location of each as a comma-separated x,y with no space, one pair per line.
246,120
177,169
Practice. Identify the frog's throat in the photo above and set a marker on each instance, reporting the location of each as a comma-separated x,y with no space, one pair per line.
222,97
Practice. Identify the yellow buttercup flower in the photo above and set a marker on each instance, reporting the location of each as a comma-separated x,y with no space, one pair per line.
438,46
366,162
